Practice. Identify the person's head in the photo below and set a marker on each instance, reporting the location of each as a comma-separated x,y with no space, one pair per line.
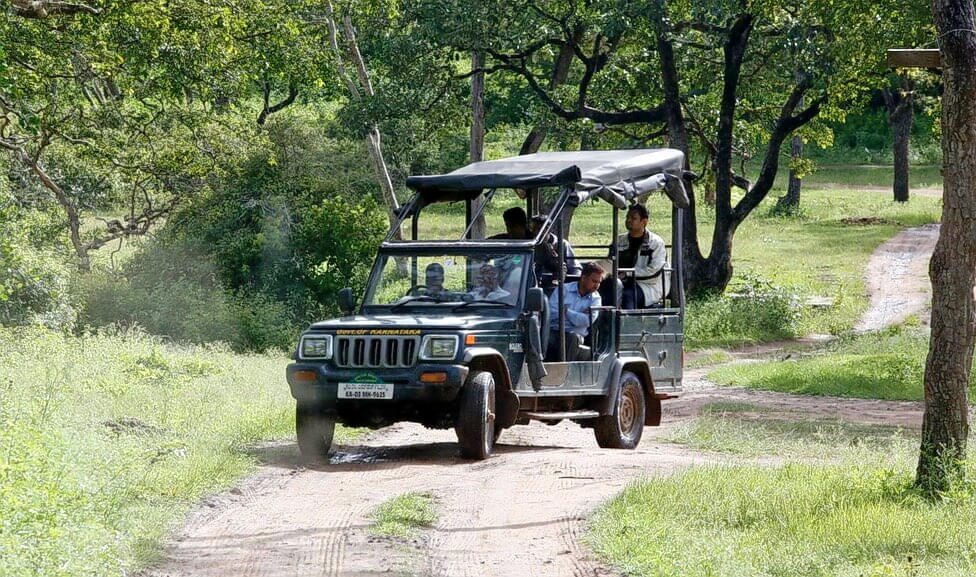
434,277
590,278
516,222
488,276
636,222
538,221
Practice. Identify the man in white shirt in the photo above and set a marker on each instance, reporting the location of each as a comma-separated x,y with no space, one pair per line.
579,300
645,253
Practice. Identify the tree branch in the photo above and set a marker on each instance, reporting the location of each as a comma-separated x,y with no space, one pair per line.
267,110
41,9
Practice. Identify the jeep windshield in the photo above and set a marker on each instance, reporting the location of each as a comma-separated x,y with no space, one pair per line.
445,280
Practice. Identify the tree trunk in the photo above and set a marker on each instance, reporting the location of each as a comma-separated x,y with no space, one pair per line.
945,425
900,108
791,202
478,133
533,141
902,128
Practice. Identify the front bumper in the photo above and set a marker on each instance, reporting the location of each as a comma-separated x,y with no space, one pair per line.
407,385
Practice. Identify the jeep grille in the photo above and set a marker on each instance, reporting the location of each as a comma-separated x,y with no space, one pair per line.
376,352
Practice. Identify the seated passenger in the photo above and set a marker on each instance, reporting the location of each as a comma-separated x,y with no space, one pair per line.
579,300
433,279
488,289
516,225
547,254
646,253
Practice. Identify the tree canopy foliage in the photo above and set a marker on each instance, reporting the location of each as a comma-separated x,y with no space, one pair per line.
118,117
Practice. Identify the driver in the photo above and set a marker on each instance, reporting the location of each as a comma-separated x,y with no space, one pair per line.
433,279
488,289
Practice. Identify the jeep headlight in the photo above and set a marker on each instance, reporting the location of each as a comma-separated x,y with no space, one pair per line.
315,347
436,347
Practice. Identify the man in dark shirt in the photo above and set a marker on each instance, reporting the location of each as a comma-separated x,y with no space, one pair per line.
547,254
516,225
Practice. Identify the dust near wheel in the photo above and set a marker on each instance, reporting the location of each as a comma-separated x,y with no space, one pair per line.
314,431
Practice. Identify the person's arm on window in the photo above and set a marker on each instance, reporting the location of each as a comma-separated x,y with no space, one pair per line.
596,301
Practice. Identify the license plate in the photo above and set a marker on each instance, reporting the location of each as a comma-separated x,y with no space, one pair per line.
365,390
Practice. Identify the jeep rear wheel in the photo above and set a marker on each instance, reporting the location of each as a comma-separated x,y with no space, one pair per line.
476,416
623,428
314,430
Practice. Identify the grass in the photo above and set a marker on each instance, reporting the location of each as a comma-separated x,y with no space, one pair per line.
106,441
841,503
887,365
750,431
795,520
870,176
404,515
707,358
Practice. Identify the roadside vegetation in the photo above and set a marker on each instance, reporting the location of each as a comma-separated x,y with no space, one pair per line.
107,441
857,520
885,365
404,515
830,498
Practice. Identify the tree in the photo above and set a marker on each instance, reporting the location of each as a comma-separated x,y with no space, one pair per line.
101,106
361,87
945,425
900,107
615,81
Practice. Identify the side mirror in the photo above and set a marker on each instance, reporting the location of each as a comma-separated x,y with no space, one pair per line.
347,302
535,300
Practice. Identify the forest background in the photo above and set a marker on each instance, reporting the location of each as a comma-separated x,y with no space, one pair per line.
208,171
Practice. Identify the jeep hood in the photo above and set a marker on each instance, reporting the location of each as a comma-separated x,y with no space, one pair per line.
422,322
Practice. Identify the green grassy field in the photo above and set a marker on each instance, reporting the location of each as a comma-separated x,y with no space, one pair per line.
834,498
886,365
106,441
856,520
872,176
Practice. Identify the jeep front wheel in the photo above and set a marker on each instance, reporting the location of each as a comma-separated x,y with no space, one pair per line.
314,430
476,416
623,428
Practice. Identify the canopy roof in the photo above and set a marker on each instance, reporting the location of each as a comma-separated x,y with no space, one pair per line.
617,176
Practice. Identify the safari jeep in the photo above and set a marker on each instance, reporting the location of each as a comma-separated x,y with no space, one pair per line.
451,356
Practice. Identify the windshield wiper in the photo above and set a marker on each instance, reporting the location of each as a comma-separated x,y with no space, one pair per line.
475,303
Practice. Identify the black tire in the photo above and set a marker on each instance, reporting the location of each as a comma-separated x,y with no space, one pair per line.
623,428
314,430
475,424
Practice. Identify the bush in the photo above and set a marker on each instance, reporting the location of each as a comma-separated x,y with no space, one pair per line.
752,310
106,440
262,255
33,277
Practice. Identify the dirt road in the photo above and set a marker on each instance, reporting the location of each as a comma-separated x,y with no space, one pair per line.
518,513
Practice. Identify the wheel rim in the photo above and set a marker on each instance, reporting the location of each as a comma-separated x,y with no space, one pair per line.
489,422
628,412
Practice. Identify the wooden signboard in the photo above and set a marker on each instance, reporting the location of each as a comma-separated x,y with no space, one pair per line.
914,58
